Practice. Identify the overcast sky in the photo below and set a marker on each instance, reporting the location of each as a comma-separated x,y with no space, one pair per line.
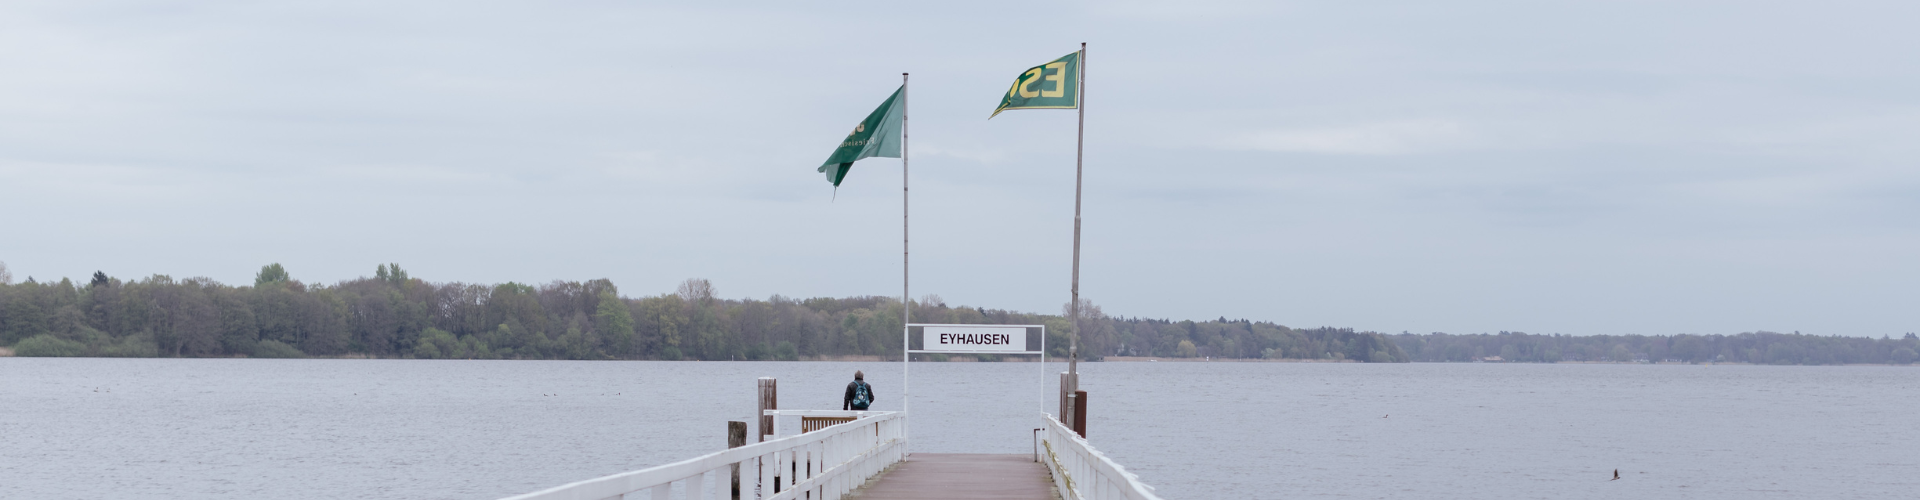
1550,167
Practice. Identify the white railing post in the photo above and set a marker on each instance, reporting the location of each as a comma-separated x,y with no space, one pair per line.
767,463
789,469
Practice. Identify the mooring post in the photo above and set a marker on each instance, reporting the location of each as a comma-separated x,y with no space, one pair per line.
769,390
769,400
1080,413
1067,383
736,437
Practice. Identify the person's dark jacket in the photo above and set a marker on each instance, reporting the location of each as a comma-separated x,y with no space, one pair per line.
847,402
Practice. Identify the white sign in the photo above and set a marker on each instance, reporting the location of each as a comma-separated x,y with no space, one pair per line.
974,338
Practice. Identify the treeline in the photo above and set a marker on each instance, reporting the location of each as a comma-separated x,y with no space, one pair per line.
1754,347
395,315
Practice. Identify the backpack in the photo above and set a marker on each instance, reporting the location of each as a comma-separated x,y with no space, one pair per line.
861,398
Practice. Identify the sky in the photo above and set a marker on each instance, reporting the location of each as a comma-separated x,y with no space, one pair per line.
1580,168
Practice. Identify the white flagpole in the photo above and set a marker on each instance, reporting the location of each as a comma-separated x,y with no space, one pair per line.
1073,308
906,306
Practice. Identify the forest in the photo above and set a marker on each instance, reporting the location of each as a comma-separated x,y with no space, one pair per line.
394,315
1752,347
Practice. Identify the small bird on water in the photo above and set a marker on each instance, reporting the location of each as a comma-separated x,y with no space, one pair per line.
1616,475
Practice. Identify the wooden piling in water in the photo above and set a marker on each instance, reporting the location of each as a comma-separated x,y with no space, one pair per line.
1068,381
736,437
769,400
1080,413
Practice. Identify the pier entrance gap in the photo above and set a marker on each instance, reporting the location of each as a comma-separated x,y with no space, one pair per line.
1019,340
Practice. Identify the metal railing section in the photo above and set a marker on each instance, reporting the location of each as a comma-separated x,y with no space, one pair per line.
824,464
1083,473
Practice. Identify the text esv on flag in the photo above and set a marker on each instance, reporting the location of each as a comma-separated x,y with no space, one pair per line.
1054,85
878,136
1057,85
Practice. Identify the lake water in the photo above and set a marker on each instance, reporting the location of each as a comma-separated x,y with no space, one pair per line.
252,428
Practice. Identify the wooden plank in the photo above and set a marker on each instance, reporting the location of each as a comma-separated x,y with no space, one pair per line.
962,476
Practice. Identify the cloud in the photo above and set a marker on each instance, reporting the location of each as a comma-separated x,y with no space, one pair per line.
970,153
1380,138
1419,147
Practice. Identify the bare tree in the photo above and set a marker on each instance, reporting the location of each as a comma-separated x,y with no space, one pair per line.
6,277
696,290
1088,310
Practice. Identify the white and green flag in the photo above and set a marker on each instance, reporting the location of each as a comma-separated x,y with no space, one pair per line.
878,136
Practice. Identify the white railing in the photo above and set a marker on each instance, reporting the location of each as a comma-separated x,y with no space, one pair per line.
819,465
1083,473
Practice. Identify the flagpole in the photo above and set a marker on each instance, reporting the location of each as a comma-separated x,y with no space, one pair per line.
906,307
1079,151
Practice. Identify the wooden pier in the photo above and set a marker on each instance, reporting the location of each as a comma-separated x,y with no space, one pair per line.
867,458
962,476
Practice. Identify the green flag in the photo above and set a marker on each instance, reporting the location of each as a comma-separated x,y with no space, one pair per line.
1054,85
878,136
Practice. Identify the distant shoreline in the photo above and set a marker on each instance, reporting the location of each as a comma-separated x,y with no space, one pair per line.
1156,359
7,353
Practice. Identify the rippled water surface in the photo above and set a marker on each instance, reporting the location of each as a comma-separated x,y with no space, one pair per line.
251,428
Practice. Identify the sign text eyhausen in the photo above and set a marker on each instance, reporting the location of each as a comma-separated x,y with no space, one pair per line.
974,339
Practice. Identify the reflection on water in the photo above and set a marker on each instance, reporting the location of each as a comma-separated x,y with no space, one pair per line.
248,428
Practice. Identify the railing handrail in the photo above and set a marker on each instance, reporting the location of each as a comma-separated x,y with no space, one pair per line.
651,477
824,413
1083,473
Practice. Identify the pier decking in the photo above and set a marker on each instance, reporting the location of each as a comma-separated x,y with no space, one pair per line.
962,476
866,458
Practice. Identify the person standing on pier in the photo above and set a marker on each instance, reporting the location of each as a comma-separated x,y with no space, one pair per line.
859,394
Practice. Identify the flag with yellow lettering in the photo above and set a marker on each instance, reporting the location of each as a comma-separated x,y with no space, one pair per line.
1054,85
